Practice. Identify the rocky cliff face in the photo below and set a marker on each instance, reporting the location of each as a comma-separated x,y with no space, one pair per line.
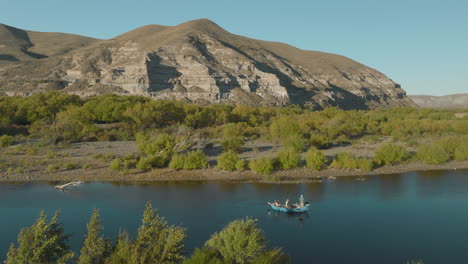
200,62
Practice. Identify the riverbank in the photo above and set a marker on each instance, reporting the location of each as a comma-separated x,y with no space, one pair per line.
90,162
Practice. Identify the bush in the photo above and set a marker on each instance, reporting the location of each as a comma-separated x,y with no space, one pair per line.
234,144
228,160
6,141
116,165
461,152
53,167
432,154
192,160
263,165
177,161
129,163
344,160
289,158
240,165
390,154
320,141
70,166
315,159
144,163
365,164
51,154
195,160
296,142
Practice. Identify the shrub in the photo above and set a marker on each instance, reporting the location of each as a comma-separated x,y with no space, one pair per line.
86,166
390,154
240,165
70,166
116,165
195,160
320,141
53,167
315,159
192,160
344,160
177,161
144,163
289,158
6,141
51,154
129,163
228,160
432,154
296,142
234,144
365,164
461,152
263,165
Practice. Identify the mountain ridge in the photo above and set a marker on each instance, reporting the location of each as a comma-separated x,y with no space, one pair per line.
198,61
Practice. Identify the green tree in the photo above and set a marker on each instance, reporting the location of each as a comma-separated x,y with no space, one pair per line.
315,159
390,154
228,160
42,243
205,255
232,137
240,241
432,154
95,247
289,158
263,165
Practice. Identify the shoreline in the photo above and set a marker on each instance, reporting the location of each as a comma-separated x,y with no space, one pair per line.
299,175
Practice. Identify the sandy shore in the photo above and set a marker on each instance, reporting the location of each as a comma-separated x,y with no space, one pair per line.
23,166
281,176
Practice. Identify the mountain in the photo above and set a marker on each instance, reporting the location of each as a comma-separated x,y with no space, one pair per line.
196,61
446,101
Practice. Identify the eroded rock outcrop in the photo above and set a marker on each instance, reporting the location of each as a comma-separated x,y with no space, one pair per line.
200,62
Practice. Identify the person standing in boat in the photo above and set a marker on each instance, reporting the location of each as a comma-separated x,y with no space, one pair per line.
301,201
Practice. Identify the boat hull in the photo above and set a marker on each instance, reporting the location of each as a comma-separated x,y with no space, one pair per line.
290,210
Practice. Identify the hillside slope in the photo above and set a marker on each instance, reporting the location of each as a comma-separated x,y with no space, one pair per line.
447,101
198,61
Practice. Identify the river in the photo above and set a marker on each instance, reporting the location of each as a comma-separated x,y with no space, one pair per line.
383,219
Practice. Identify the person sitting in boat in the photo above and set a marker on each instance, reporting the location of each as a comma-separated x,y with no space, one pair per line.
286,204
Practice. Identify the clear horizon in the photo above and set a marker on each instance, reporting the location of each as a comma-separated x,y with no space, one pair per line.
419,44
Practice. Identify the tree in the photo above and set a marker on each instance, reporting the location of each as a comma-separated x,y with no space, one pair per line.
42,243
232,137
205,255
95,247
241,241
229,161
156,242
289,158
390,154
315,159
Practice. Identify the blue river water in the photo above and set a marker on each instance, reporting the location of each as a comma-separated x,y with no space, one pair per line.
383,219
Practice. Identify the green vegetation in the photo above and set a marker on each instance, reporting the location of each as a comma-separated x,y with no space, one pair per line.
230,161
315,159
390,154
432,154
263,165
167,132
189,161
345,160
289,158
6,140
156,241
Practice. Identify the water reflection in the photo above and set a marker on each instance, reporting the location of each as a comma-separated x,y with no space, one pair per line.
390,185
301,218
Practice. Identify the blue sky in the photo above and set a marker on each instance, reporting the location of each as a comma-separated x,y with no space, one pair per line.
423,45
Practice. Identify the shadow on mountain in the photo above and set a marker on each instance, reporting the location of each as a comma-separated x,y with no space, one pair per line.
161,77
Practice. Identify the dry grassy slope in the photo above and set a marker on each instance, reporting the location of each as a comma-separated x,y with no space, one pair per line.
447,101
20,45
201,62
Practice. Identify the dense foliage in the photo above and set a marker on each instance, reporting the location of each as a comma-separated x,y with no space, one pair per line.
167,132
240,242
